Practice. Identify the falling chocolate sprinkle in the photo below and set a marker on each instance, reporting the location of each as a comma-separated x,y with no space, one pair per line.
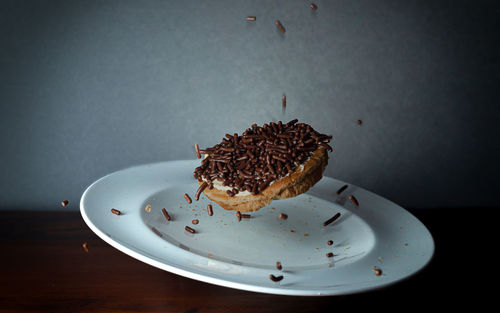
189,229
188,198
195,222
210,210
330,242
359,122
85,247
280,27
354,200
331,220
197,149
200,190
114,211
283,216
250,18
275,278
283,104
329,255
64,202
165,213
377,271
278,266
341,189
313,6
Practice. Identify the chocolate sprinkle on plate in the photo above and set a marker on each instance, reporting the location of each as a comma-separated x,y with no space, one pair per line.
165,213
275,278
341,189
114,211
354,200
188,198
332,219
278,266
377,271
280,27
156,231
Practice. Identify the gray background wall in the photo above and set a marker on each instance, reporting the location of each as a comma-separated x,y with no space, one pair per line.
91,87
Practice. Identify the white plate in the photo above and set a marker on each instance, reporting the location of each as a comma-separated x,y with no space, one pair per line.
243,254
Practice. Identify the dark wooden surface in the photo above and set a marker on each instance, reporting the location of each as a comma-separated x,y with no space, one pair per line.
44,268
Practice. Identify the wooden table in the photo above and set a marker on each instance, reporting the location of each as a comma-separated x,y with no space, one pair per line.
44,268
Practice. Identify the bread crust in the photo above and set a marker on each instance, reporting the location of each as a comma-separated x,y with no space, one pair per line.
290,186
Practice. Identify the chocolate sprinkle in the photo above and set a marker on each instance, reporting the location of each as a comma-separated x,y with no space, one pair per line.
329,255
283,104
197,149
331,220
260,155
275,278
330,242
165,213
199,191
115,211
210,210
283,216
156,231
280,27
341,189
278,266
189,229
188,198
313,6
354,200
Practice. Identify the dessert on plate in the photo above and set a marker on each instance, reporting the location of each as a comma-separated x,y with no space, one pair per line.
275,161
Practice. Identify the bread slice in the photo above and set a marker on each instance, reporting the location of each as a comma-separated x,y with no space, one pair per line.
299,181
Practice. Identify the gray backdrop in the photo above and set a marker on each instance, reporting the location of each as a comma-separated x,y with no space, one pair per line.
91,87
